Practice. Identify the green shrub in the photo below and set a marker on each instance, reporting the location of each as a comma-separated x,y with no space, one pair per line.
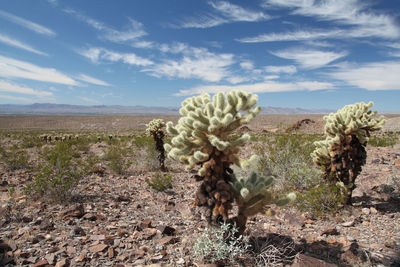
321,199
220,245
14,158
383,141
58,173
118,162
287,156
160,181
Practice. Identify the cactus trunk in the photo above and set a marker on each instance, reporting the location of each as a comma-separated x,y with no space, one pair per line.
158,140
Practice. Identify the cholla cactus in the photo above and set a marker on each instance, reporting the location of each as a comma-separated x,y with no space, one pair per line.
205,136
253,196
155,129
342,154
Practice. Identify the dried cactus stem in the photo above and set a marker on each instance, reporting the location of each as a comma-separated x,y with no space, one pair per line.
159,143
347,162
215,193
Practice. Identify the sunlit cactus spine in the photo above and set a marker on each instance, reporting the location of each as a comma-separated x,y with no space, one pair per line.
342,154
253,195
155,129
204,137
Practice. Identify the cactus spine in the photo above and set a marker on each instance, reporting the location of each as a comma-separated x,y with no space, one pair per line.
342,154
155,129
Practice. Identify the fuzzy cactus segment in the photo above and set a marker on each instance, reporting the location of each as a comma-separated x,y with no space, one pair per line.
342,154
253,194
205,136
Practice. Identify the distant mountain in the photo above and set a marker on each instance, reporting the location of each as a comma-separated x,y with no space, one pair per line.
64,109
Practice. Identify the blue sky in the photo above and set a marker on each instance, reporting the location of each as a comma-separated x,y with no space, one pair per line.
292,53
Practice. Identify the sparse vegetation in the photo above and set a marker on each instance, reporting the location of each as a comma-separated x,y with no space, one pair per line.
160,181
384,140
116,156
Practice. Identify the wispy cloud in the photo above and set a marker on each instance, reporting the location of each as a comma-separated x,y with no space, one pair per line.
264,87
27,24
293,36
12,42
97,55
92,80
353,13
133,32
247,65
17,98
281,69
13,68
89,100
308,58
15,88
224,12
196,63
370,76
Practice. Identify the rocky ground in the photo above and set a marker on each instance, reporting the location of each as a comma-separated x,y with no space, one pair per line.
118,220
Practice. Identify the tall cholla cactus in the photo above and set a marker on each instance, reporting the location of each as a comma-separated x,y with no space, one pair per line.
253,196
342,154
205,136
155,129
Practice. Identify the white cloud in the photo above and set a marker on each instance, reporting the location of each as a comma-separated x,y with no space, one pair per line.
354,13
227,13
15,88
101,54
247,65
133,32
197,63
143,44
12,68
12,42
309,59
264,87
17,98
89,100
293,36
370,76
27,24
89,79
281,69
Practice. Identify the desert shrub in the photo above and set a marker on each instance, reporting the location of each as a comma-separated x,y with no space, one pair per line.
143,141
155,129
383,141
322,199
58,173
14,158
31,140
117,157
220,245
160,181
287,156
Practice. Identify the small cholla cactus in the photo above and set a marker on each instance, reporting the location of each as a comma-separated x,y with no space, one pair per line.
342,154
205,137
155,129
253,196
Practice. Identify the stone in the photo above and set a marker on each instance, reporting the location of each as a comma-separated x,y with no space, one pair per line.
396,163
295,221
97,237
78,231
373,210
40,263
330,231
302,260
390,243
62,263
46,225
76,211
90,217
166,230
146,224
50,258
98,248
366,211
111,253
168,240
81,257
349,223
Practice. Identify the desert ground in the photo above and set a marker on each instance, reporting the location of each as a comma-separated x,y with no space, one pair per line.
119,209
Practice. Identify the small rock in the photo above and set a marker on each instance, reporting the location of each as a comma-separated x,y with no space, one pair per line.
46,225
81,257
90,217
97,237
76,211
122,233
330,231
396,163
302,260
78,231
111,253
97,248
168,240
50,258
40,263
349,223
62,263
145,224
180,261
390,243
166,230
373,210
366,211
